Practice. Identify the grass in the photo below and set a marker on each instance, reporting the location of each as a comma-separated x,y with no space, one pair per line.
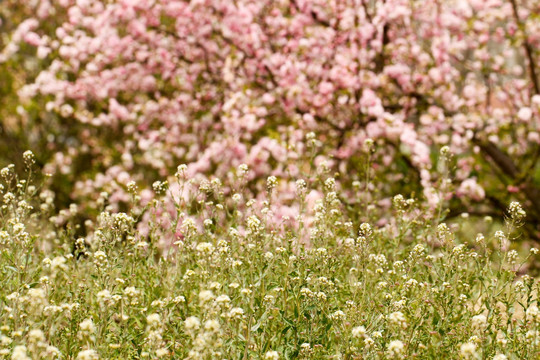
235,285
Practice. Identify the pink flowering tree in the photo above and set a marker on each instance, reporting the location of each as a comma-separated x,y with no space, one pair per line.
129,89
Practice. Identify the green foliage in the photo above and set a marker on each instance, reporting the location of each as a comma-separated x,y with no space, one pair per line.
239,287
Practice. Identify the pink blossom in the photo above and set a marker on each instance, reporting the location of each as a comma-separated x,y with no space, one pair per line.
525,114
470,188
214,84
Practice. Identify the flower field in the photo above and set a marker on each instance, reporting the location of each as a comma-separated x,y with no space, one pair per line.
235,285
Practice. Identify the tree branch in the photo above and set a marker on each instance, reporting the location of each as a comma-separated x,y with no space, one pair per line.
528,49
313,15
503,161
509,168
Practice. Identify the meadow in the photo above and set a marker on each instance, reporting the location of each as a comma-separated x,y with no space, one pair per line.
327,288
